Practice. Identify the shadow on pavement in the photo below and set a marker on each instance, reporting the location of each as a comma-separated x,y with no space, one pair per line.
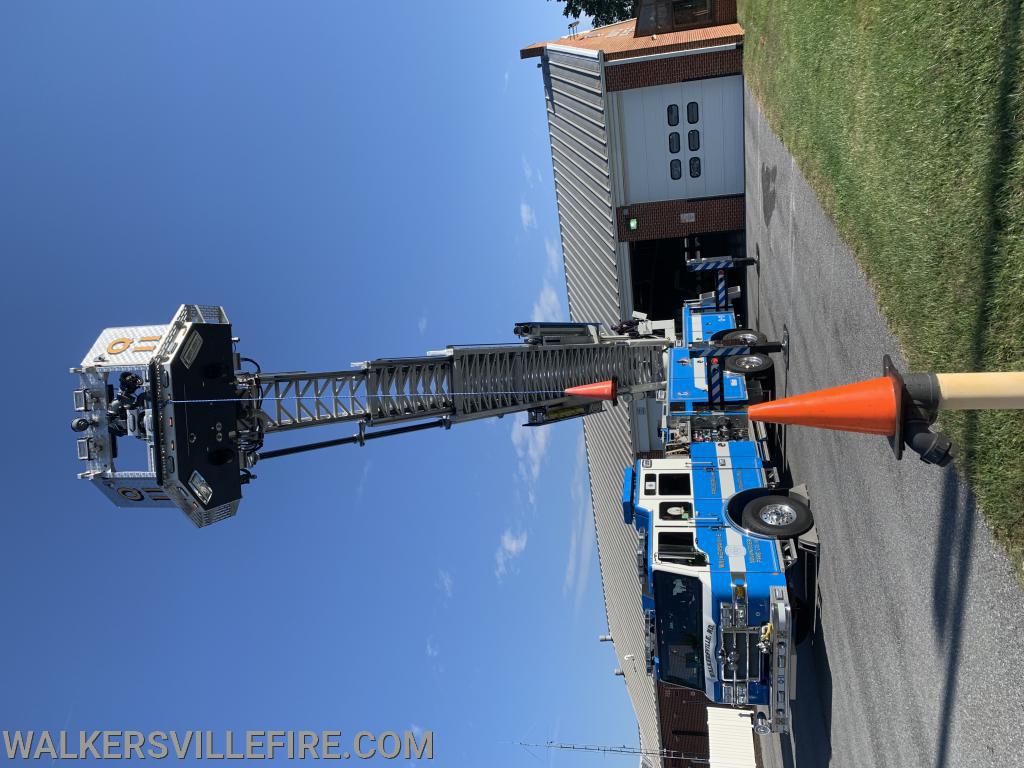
950,585
810,745
812,710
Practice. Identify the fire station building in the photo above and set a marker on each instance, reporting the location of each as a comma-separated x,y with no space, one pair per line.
645,120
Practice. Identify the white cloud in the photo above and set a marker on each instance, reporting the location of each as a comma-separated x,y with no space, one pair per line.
531,445
532,174
554,260
527,170
570,565
506,79
361,487
432,650
422,325
527,216
548,306
581,539
445,582
510,547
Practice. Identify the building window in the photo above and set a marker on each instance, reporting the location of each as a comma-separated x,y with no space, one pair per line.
676,169
692,113
673,114
686,13
673,142
693,140
694,167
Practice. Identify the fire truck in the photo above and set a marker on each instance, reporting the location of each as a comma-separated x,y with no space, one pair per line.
716,528
718,533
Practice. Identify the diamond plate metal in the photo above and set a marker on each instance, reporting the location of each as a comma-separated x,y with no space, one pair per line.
131,345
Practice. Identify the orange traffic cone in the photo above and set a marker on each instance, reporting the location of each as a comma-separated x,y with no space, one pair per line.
869,406
600,390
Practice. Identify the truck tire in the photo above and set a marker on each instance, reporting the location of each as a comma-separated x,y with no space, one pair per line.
743,336
748,365
780,517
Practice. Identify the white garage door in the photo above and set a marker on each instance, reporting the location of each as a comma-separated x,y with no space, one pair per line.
731,739
682,141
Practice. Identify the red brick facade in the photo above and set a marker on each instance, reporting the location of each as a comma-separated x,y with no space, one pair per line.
725,11
683,720
699,66
675,218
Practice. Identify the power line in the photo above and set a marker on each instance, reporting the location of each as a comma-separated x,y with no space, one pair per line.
622,750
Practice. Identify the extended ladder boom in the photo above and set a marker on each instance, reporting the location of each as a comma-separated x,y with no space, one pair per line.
464,383
182,390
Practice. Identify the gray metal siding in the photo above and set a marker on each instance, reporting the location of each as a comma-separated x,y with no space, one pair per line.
577,126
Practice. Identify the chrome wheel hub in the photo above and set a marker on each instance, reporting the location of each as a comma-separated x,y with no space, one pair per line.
747,362
778,514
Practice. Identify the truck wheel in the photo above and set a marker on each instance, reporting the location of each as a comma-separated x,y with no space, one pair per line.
744,336
748,365
780,517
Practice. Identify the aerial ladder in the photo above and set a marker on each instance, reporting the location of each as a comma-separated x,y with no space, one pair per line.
203,411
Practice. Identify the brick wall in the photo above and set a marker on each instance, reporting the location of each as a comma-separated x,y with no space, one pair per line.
725,11
683,722
675,70
675,218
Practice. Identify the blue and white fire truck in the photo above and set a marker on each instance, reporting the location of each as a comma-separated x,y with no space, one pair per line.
716,531
716,528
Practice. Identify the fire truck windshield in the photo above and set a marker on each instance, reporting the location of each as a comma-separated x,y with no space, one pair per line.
677,605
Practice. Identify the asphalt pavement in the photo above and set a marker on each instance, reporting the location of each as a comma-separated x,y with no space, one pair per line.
919,657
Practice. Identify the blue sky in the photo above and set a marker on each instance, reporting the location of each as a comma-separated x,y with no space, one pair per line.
347,184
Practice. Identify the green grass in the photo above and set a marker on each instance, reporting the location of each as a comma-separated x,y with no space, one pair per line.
906,118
